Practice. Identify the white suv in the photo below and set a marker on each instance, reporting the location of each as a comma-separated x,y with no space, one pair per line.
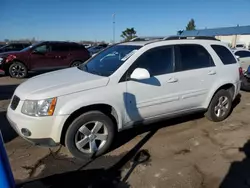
128,83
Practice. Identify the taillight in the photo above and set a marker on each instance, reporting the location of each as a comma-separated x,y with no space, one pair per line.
240,71
10,58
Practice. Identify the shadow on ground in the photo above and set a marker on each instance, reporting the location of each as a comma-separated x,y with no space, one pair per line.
7,131
100,177
239,171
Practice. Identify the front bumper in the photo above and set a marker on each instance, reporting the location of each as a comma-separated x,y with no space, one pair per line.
44,131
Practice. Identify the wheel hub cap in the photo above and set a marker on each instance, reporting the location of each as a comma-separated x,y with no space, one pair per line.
91,137
222,106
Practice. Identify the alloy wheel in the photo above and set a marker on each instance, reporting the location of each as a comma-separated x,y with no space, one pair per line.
18,71
91,137
222,106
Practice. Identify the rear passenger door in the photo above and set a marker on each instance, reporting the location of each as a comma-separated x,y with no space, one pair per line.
196,74
60,51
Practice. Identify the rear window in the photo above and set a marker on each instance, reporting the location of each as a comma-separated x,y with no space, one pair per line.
225,55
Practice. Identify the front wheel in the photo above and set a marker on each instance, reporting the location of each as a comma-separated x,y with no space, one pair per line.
220,106
18,70
90,135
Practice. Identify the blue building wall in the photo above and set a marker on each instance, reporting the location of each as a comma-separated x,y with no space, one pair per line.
238,30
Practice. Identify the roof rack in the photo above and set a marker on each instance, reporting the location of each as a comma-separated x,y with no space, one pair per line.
190,37
148,38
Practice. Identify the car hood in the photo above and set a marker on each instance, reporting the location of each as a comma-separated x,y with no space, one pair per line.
58,83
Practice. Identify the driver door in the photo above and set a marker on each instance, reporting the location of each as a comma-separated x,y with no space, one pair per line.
41,57
145,99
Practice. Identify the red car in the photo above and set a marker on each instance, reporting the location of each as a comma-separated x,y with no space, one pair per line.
43,56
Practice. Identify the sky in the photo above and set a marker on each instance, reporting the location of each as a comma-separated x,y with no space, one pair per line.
77,20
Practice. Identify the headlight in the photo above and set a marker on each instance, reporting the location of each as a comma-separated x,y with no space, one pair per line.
44,107
1,59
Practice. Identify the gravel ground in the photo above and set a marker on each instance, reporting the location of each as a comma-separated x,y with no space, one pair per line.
189,152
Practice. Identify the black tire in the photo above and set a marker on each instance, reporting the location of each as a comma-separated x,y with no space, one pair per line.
76,63
17,70
79,122
245,84
211,111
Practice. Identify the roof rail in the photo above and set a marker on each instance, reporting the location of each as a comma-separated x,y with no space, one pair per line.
190,37
148,38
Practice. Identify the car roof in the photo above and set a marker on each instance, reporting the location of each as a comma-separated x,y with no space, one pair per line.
173,41
135,43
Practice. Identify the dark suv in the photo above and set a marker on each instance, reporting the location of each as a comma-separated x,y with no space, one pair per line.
14,47
43,56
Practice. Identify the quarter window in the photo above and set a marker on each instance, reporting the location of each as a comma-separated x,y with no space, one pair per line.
59,47
224,54
192,56
157,61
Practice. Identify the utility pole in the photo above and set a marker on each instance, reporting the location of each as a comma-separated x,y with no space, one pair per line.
113,28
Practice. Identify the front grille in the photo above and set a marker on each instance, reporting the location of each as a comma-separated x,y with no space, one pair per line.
14,102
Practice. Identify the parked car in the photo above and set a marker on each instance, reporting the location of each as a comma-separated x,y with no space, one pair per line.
245,80
125,84
43,56
14,47
95,49
240,46
244,58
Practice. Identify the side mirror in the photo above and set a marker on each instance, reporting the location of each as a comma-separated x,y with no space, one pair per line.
140,74
238,57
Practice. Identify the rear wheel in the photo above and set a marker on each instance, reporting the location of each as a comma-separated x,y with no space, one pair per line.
18,70
76,63
220,106
90,135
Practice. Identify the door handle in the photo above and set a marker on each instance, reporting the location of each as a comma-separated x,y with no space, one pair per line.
212,72
172,80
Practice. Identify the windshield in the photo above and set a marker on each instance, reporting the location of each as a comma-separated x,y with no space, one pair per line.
2,47
109,60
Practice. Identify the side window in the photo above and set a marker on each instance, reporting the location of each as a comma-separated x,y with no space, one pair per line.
242,54
42,49
18,47
157,61
193,56
59,47
74,47
225,55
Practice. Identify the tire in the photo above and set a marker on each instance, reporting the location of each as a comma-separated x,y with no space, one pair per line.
245,84
77,132
17,70
76,63
216,104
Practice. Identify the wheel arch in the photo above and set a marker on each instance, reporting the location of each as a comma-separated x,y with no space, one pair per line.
7,65
104,108
227,86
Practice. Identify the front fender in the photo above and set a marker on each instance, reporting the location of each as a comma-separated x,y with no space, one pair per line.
73,104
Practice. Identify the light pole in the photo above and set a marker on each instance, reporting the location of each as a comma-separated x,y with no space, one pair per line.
113,28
